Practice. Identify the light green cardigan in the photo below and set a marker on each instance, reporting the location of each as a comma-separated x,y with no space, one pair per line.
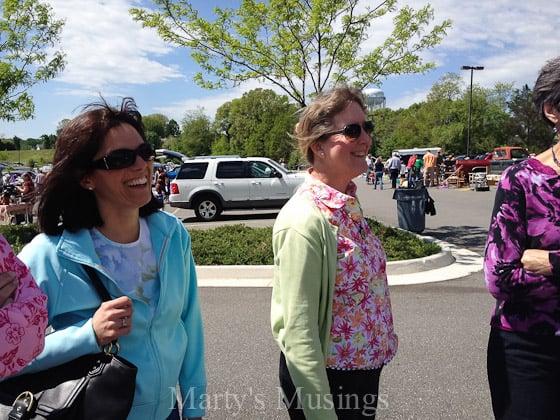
305,252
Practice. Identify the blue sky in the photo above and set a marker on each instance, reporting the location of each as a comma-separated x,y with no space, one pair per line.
109,54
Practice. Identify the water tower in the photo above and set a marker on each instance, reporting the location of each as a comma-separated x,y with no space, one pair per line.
375,99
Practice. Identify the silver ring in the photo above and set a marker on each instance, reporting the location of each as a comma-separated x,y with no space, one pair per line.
123,322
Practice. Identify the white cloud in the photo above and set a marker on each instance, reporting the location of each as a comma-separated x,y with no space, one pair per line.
104,46
512,40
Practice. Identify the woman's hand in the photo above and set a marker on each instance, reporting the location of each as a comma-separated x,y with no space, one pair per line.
8,285
112,320
536,260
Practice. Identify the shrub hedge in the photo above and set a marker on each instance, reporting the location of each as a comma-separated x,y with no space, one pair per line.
242,245
238,244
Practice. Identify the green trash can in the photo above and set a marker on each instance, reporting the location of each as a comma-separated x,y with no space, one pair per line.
411,206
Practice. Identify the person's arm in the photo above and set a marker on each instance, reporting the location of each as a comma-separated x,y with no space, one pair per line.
192,379
22,335
73,334
298,278
510,272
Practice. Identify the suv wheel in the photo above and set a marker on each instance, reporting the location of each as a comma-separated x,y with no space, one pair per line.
207,208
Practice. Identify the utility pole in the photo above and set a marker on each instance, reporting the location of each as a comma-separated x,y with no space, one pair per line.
471,68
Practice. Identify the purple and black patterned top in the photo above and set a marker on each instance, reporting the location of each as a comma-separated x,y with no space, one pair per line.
526,215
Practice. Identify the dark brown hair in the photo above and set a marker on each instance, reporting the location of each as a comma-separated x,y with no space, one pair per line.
64,204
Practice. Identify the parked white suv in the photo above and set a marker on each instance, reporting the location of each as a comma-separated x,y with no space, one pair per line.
209,185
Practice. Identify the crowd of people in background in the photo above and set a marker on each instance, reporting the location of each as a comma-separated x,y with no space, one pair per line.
417,170
19,188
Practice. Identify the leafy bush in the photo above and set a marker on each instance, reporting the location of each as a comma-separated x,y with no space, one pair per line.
400,244
242,245
18,235
232,245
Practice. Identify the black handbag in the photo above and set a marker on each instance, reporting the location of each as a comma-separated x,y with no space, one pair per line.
92,387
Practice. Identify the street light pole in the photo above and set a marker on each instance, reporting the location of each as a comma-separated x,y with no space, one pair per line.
471,68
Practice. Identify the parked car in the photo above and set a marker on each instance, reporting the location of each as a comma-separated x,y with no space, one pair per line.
495,161
210,185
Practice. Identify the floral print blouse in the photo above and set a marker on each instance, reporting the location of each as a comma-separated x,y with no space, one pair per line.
526,215
362,335
22,321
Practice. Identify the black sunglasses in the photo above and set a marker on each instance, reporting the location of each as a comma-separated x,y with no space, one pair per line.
353,131
124,158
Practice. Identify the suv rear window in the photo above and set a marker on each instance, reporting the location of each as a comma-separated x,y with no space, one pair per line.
193,170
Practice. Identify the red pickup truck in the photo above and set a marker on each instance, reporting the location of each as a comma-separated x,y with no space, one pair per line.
494,162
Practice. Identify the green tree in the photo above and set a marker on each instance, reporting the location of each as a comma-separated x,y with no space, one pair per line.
446,113
155,126
197,135
300,46
491,118
153,138
526,122
17,143
48,141
172,129
383,137
28,33
257,124
222,126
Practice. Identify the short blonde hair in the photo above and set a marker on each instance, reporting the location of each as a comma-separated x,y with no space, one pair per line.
316,119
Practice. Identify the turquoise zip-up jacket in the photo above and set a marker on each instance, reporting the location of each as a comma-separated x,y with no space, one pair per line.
167,346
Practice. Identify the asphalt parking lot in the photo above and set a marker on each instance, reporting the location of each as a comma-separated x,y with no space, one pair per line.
439,371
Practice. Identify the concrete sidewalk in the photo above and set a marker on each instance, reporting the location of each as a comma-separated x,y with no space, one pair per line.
451,263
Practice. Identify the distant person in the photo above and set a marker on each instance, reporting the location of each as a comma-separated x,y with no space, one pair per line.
440,167
394,167
410,169
430,162
162,181
27,189
378,168
418,167
331,311
39,181
369,162
39,184
97,209
522,271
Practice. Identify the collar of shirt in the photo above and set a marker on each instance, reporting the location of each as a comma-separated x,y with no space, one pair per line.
330,196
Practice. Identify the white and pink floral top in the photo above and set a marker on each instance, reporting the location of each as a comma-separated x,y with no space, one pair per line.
362,334
22,321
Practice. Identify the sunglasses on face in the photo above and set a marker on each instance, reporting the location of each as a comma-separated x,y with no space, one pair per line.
124,158
353,131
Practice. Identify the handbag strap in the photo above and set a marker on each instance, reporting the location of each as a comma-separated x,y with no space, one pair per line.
112,348
99,287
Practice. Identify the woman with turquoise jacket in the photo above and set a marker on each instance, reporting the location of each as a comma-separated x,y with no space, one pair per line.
331,312
97,209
